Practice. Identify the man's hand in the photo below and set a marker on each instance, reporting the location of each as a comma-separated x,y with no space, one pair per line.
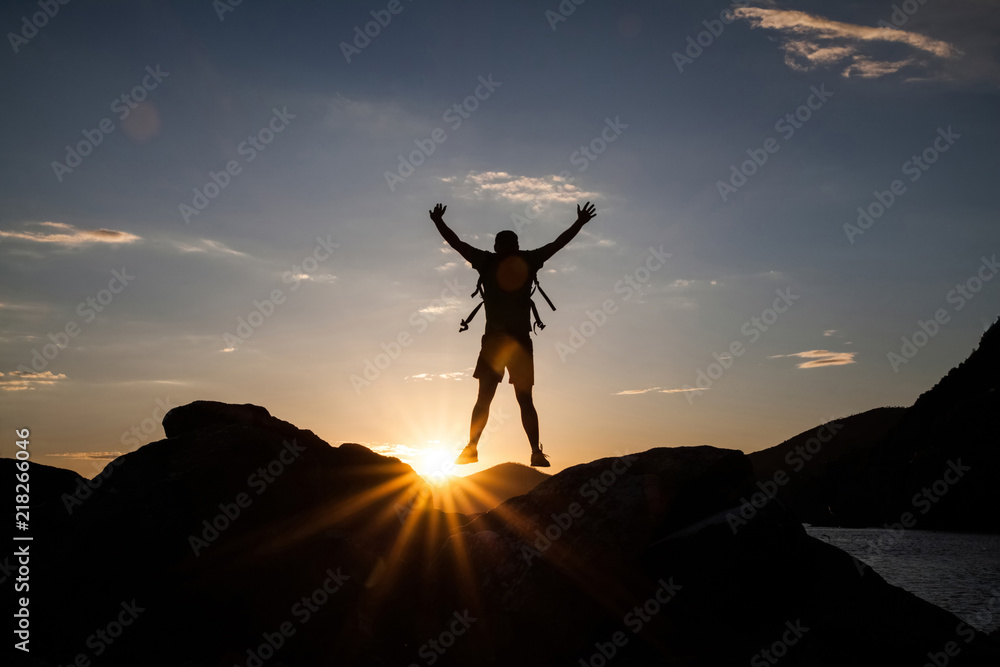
585,214
437,215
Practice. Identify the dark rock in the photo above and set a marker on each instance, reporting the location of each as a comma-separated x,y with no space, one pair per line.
213,415
889,465
240,524
53,491
217,531
563,575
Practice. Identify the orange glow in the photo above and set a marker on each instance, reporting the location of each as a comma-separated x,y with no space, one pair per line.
436,463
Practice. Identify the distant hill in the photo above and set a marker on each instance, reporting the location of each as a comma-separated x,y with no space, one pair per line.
934,464
811,458
484,490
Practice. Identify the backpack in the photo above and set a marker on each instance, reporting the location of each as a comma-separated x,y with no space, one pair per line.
534,309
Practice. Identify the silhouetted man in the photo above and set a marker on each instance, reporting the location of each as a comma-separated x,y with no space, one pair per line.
506,276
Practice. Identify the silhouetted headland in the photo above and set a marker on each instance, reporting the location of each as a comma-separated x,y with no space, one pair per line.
933,465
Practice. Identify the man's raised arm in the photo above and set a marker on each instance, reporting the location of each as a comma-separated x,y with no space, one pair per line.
583,216
463,248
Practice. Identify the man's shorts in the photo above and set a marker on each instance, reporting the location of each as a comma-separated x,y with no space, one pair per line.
502,351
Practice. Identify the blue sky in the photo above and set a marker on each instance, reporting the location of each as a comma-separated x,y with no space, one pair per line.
251,184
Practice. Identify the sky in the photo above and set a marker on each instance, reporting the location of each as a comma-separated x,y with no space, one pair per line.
796,216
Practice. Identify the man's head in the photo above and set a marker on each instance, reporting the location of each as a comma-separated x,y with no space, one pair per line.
505,243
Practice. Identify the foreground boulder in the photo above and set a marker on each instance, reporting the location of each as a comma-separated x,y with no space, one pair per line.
206,543
243,540
660,558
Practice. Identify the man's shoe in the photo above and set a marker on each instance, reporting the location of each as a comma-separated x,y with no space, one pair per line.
538,459
469,455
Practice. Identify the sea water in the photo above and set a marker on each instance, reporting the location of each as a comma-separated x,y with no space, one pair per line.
959,572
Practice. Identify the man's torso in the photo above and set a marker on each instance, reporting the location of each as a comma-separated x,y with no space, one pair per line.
507,282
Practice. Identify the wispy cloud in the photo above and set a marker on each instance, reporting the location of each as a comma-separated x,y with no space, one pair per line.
682,284
22,381
427,377
820,358
659,390
632,392
62,233
208,246
328,278
810,41
829,332
441,309
90,456
500,185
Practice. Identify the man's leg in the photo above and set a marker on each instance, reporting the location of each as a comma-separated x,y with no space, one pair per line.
529,417
481,411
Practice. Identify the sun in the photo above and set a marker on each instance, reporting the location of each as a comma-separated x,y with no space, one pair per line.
436,463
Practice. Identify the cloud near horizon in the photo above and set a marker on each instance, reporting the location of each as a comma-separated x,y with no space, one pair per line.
427,377
659,390
70,235
90,456
404,453
22,381
810,41
820,358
